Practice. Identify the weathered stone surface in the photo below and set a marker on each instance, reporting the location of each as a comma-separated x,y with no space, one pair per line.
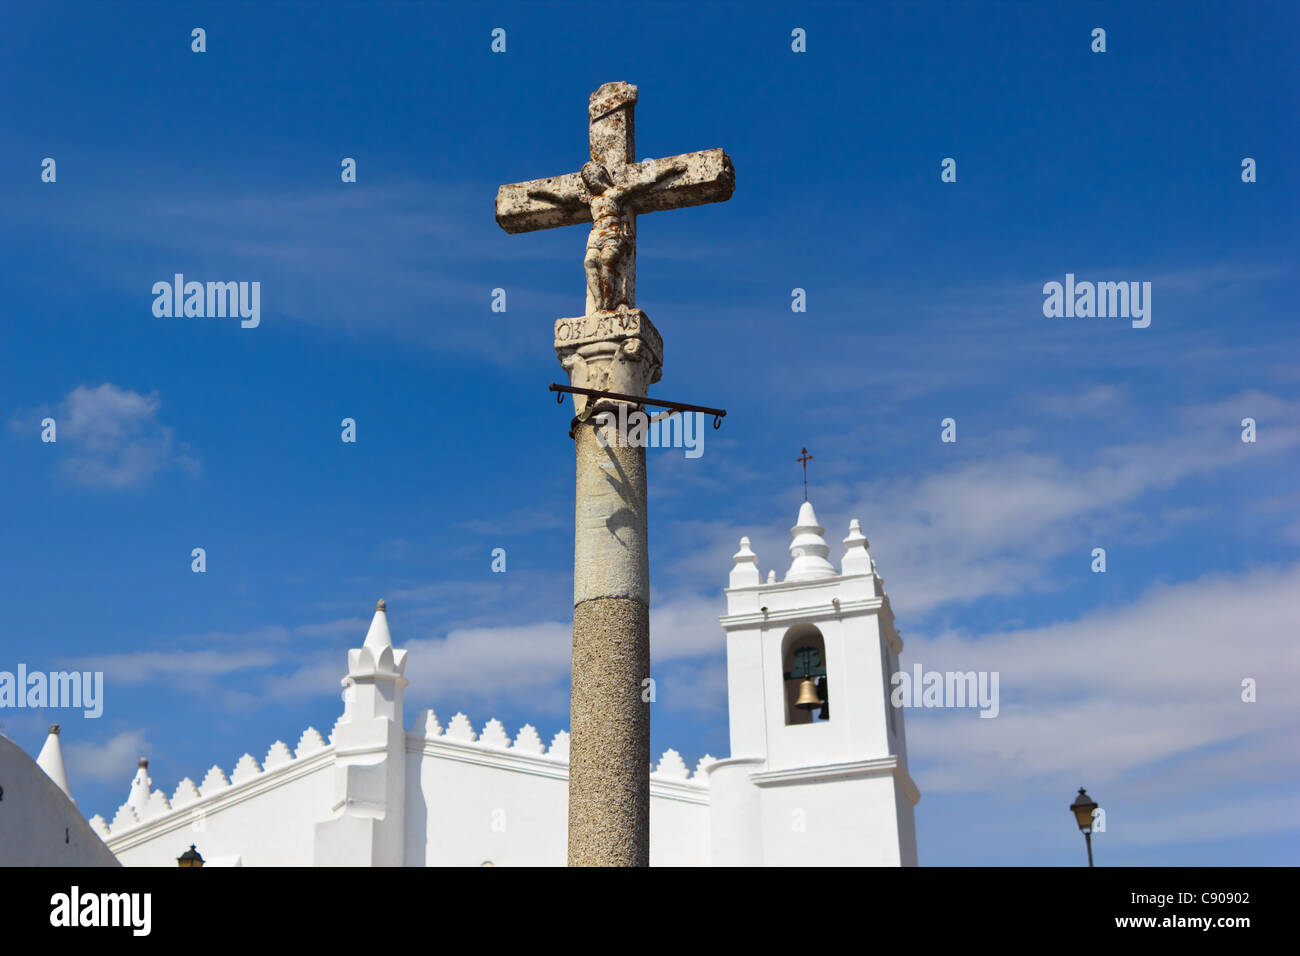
610,191
611,124
609,788
617,351
609,796
610,557
707,176
517,211
607,327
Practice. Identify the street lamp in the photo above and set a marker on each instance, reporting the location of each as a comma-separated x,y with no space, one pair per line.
190,858
1082,809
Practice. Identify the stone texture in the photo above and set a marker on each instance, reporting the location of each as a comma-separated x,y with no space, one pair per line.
610,554
610,191
707,176
609,795
611,129
609,754
609,351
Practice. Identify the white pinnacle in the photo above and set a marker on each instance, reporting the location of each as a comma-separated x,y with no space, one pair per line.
140,787
856,558
809,548
745,572
50,760
378,637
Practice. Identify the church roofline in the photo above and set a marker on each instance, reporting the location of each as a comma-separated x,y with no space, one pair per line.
458,741
124,834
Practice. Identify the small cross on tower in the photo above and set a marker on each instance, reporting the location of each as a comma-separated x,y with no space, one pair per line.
804,458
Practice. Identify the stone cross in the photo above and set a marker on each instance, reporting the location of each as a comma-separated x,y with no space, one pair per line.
612,347
610,191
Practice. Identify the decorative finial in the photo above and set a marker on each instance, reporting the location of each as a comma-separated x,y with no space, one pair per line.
50,759
745,572
144,762
856,558
808,549
378,637
804,458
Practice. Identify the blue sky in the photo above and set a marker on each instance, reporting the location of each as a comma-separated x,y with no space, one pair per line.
924,302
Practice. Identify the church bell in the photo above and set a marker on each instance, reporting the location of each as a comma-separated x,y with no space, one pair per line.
808,699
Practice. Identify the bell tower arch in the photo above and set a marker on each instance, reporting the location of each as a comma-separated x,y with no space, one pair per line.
803,667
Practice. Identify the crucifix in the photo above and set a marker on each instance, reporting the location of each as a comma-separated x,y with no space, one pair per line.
612,354
804,458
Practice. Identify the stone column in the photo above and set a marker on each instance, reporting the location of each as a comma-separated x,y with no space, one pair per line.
609,754
609,751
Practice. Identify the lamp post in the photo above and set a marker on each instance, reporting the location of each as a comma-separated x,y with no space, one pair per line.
190,858
1082,809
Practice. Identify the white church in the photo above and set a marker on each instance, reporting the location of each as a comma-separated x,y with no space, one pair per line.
817,774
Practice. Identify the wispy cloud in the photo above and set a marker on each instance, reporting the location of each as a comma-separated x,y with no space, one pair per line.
402,259
1088,401
143,667
104,762
991,524
112,437
1120,694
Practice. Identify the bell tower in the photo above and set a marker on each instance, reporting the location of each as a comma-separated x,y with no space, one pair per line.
818,767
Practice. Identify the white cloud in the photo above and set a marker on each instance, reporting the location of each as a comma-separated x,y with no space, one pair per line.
112,437
1087,401
1120,693
109,762
418,250
990,526
529,664
139,667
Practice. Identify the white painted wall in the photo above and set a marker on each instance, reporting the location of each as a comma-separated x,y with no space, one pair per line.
832,823
265,821
39,825
471,806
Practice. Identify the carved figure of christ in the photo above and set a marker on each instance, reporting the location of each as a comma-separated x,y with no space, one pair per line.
610,192
610,261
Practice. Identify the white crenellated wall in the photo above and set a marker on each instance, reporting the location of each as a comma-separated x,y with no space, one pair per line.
470,798
258,815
